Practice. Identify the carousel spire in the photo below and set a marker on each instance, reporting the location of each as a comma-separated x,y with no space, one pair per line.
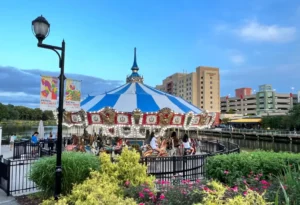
135,76
135,67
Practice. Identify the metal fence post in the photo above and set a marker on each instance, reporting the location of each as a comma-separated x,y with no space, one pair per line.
8,179
174,165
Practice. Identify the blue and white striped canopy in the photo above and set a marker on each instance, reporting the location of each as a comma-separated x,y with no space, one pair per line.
136,95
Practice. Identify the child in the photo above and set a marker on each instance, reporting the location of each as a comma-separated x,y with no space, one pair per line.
187,145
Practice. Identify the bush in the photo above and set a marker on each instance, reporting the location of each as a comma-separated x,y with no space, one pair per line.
218,194
126,169
238,165
76,168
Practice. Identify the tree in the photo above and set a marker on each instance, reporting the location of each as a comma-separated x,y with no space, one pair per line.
3,112
231,111
47,115
225,120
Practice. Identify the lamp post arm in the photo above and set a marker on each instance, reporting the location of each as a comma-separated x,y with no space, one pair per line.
53,48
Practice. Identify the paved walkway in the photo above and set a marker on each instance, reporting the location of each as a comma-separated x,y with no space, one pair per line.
6,152
7,200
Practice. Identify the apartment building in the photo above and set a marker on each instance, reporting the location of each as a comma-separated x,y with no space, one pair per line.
265,102
201,88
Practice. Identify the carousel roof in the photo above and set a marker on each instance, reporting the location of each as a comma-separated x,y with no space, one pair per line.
136,95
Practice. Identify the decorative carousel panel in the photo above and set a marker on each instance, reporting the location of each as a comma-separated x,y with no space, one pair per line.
203,119
177,120
150,119
94,118
77,118
196,120
165,116
108,116
123,119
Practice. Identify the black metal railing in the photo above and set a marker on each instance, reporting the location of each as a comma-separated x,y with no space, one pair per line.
190,167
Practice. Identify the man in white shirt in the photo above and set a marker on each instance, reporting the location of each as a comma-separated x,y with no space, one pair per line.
153,144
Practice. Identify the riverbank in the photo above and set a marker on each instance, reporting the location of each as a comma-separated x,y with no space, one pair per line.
26,123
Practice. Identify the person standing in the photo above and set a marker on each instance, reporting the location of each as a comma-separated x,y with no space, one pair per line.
34,138
50,141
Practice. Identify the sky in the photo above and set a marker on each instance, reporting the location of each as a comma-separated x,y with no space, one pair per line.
252,42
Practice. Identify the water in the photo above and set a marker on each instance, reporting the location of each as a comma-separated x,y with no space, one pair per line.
250,145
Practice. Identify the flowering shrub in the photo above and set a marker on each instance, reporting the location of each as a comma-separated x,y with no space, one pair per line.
98,189
126,169
238,165
218,194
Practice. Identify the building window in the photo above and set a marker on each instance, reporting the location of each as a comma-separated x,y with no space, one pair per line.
210,92
201,102
211,102
201,82
201,97
210,87
210,77
201,87
201,77
210,82
202,92
211,97
211,107
202,107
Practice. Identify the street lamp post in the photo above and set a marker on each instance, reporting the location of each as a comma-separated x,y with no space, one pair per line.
41,29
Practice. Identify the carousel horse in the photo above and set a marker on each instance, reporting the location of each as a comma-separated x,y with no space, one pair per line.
72,147
162,146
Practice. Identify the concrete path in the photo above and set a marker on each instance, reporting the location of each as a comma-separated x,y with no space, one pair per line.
6,152
7,200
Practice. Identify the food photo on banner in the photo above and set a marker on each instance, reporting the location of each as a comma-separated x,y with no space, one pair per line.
48,94
72,95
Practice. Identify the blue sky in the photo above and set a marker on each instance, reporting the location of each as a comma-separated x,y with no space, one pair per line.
252,42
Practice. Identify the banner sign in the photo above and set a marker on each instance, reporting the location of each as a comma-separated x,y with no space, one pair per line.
73,95
48,95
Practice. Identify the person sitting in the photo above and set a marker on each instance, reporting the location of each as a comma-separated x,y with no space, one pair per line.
188,149
153,142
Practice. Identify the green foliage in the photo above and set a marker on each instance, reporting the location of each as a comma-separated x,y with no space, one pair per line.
227,168
289,192
11,112
217,196
231,111
76,168
290,121
126,168
96,190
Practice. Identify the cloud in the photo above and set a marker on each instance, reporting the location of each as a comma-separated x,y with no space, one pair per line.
281,77
236,57
22,87
255,31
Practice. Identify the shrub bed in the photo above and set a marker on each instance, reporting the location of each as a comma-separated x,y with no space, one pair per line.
76,168
240,165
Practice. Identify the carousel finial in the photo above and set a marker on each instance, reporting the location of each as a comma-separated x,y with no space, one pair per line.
135,66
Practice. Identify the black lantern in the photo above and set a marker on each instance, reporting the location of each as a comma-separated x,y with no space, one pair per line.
40,28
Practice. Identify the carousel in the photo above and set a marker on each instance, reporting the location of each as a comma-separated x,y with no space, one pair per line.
128,114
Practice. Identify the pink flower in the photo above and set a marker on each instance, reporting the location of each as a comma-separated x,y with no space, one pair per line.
256,178
264,187
198,181
245,193
226,172
150,194
146,190
162,196
141,195
141,203
264,182
235,189
127,183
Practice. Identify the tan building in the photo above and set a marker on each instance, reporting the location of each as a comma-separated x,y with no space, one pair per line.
201,88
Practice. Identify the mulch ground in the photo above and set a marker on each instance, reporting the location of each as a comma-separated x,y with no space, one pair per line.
29,200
